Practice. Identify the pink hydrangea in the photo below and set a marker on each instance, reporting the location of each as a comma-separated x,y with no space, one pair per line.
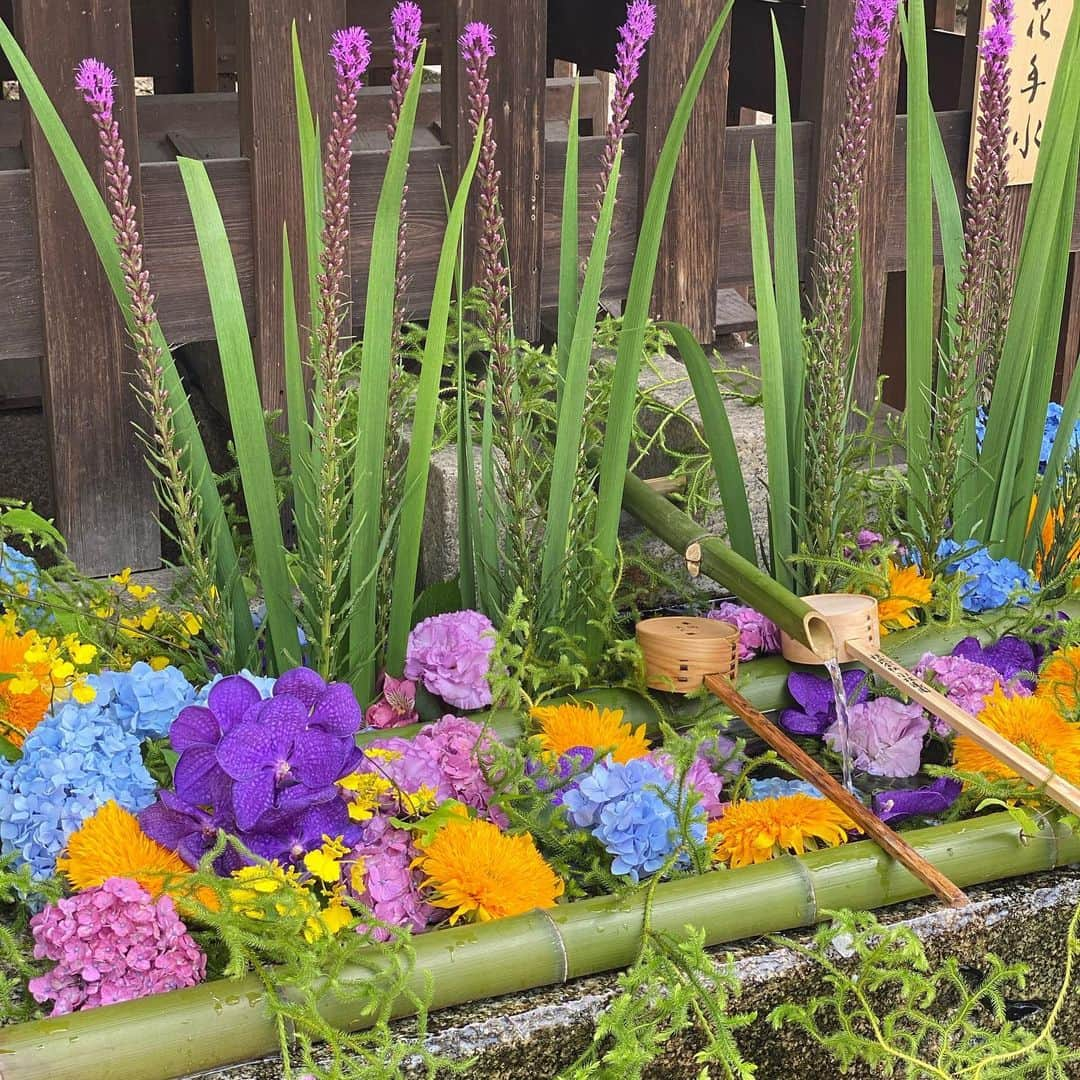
758,636
966,683
451,655
384,879
700,777
112,943
396,706
450,757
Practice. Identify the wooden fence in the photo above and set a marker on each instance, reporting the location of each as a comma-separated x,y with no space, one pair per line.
55,304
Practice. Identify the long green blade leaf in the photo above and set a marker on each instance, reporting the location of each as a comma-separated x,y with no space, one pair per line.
568,246
96,218
568,438
717,430
245,411
373,403
295,392
620,416
919,292
772,384
411,524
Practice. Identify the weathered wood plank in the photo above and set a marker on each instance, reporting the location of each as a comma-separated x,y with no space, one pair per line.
103,492
518,108
268,140
686,285
204,42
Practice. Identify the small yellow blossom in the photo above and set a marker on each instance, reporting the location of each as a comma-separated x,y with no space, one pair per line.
325,862
191,623
158,662
82,692
367,790
123,577
421,801
141,592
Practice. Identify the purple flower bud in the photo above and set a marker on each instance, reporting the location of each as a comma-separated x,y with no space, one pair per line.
351,53
97,83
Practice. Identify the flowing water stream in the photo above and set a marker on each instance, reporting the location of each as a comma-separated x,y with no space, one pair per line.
843,720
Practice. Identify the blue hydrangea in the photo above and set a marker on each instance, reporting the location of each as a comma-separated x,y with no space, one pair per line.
989,583
263,683
18,569
625,809
76,760
1050,430
776,787
144,702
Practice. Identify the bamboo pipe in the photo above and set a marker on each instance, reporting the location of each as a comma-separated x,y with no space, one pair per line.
810,770
849,619
223,1022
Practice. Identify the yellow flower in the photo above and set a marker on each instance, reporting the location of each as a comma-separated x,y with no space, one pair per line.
325,862
191,623
158,663
82,692
562,727
150,616
271,880
1034,724
112,844
123,577
480,873
25,698
367,790
141,592
81,653
382,753
1059,679
754,832
331,920
908,590
421,801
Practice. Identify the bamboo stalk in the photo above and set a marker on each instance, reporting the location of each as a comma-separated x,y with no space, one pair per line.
222,1023
1022,763
839,795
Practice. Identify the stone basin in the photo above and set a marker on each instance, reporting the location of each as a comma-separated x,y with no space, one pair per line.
534,1035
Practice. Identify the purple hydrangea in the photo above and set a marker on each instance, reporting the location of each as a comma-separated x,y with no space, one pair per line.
112,943
816,701
934,799
562,772
885,736
1009,656
758,636
451,655
700,777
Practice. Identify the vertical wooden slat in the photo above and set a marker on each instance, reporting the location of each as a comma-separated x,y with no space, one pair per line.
1069,346
823,92
268,139
204,51
517,106
688,269
104,496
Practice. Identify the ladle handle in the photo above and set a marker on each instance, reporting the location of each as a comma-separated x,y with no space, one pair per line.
891,842
1022,763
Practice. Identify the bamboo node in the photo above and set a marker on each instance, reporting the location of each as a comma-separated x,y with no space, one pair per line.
559,940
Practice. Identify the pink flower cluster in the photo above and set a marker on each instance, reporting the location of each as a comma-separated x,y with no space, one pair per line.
758,636
112,943
699,777
450,757
391,887
451,655
966,683
396,705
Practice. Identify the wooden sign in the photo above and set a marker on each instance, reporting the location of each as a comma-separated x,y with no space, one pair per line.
1038,29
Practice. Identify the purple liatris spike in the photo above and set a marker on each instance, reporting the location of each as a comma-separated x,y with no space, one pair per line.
405,22
871,30
97,82
351,53
477,42
634,35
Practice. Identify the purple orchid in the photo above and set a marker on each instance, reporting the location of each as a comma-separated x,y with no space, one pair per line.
925,801
196,733
288,837
278,759
1009,656
179,826
817,702
885,737
332,707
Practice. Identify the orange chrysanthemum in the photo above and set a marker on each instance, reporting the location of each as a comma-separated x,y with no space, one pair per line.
1034,724
908,590
480,873
562,727
111,844
1059,679
754,832
20,712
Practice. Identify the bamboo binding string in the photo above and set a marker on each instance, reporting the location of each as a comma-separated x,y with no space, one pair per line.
854,643
682,654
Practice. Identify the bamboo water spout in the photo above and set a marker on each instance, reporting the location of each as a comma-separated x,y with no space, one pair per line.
853,623
682,654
